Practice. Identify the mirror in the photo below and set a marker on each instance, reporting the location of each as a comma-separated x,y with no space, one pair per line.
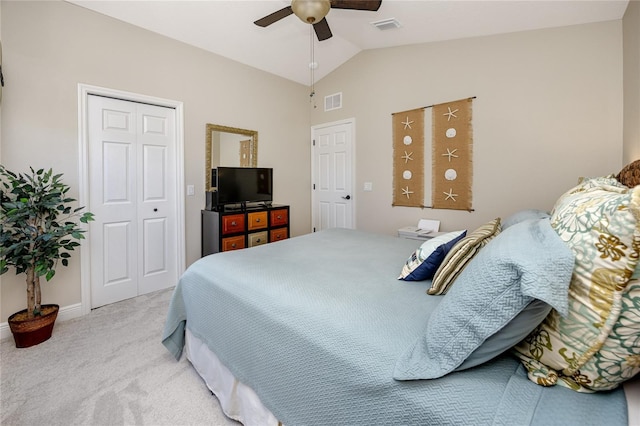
231,147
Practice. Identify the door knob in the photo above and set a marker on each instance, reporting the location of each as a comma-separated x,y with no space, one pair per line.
348,197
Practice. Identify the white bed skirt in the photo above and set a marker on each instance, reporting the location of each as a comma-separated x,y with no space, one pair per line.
240,402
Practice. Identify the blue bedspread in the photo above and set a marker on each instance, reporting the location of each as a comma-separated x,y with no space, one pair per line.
315,325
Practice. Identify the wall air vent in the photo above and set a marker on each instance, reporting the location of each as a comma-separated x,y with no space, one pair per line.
386,24
333,101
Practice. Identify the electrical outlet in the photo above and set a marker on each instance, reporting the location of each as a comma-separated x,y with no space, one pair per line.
191,190
368,186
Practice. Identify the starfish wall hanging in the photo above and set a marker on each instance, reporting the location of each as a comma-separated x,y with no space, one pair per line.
408,158
452,155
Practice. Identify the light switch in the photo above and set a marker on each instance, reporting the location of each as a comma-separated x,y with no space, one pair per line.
368,186
191,190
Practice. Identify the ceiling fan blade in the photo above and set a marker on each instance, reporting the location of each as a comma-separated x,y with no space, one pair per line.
322,29
274,17
371,5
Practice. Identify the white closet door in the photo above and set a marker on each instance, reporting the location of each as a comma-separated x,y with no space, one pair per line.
132,194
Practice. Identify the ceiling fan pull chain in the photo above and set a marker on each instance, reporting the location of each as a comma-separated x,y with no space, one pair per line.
312,62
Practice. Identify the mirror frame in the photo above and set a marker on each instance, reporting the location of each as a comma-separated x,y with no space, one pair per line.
253,162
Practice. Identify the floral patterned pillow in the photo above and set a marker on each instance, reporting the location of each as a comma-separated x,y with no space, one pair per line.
619,357
596,346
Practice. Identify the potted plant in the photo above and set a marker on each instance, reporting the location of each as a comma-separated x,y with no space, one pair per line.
38,229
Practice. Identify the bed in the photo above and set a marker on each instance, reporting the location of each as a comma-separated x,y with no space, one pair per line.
318,329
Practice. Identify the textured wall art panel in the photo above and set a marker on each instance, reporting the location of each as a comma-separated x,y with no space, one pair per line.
408,158
452,156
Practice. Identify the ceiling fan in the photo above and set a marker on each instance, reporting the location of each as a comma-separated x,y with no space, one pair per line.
314,11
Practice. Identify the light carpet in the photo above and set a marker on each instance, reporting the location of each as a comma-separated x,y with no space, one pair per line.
105,368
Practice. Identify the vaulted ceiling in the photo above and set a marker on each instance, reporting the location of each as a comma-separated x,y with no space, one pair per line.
226,27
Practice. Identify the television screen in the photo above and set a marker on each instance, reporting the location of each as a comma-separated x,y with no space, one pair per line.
244,185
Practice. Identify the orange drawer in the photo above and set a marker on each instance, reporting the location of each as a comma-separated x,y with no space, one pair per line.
257,220
279,217
233,243
278,234
257,238
232,223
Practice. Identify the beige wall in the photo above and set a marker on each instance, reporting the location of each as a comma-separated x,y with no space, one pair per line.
548,110
51,46
631,47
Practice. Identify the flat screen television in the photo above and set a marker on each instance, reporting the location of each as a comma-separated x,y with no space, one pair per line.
242,185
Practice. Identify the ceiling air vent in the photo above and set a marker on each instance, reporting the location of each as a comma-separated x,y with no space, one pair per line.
333,101
386,24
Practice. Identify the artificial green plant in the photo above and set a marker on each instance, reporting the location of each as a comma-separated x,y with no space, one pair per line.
38,227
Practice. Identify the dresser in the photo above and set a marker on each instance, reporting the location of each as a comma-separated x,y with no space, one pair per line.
238,229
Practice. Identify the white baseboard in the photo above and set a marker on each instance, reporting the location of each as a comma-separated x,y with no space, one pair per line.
65,313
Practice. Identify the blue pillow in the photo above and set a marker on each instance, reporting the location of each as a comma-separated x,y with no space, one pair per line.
517,329
527,261
522,215
424,262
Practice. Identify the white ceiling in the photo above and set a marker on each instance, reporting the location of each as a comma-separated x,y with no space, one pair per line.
226,27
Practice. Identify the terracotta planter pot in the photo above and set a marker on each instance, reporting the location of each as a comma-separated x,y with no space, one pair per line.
30,332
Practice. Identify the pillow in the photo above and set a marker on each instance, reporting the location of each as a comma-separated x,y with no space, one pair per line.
521,216
517,329
636,272
630,174
460,254
617,359
527,261
587,351
425,260
587,183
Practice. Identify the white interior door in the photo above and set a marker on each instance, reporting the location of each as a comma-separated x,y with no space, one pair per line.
332,170
133,196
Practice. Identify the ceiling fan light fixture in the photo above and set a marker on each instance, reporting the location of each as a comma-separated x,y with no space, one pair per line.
310,11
